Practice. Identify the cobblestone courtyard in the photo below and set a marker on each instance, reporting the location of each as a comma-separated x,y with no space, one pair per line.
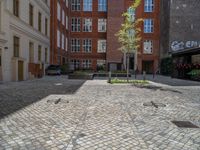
56,113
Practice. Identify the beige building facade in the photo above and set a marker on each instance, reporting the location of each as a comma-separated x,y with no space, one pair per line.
24,39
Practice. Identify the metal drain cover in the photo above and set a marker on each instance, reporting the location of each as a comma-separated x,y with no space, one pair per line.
184,124
152,103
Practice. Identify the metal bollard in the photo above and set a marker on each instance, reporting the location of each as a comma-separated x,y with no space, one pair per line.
109,77
144,75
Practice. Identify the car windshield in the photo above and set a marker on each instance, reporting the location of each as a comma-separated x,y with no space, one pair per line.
53,67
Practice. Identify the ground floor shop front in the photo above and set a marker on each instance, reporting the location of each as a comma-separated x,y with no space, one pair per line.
186,64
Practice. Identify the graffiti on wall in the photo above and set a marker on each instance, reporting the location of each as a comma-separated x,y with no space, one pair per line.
180,45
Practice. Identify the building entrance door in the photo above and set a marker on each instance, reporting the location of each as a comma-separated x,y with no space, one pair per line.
147,66
1,76
20,70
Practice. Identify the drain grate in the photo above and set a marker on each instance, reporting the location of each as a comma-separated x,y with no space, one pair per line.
152,103
81,135
184,124
55,101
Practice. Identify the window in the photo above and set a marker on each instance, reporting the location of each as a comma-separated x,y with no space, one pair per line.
87,64
63,41
87,45
87,5
58,38
39,52
101,46
66,44
75,45
102,25
131,12
148,5
101,64
76,5
46,55
58,11
66,2
148,26
0,58
66,22
16,45
102,5
76,25
46,26
63,17
75,64
148,47
31,15
87,25
31,52
16,8
39,21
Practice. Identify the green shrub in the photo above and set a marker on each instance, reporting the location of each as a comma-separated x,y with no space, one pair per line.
64,69
119,81
195,74
166,66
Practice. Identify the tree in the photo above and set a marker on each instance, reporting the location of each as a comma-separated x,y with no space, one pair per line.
129,34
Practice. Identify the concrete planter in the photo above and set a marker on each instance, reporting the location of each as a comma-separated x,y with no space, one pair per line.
81,76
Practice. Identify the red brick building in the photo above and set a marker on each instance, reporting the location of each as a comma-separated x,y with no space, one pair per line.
147,57
59,31
91,34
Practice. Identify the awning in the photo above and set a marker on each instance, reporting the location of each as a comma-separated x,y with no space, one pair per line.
191,51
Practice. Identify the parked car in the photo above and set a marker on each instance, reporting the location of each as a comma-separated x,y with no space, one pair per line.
53,70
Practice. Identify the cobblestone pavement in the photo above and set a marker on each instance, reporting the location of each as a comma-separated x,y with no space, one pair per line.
56,113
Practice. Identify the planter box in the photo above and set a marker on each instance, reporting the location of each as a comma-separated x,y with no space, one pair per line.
81,77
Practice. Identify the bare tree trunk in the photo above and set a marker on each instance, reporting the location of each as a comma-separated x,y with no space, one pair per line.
128,68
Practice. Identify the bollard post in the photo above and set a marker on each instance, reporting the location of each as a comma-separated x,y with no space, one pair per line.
153,74
109,77
144,75
135,74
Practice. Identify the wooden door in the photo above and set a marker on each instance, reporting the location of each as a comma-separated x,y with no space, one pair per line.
20,70
147,66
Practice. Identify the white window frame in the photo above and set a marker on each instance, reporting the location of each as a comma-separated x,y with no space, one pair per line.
102,25
87,24
58,38
87,5
102,46
58,11
87,45
147,46
149,5
148,25
63,41
75,45
75,5
63,17
76,24
102,5
87,63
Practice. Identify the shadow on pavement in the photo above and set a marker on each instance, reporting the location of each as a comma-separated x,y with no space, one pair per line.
16,96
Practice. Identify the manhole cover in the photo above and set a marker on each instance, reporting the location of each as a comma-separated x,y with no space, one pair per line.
184,124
